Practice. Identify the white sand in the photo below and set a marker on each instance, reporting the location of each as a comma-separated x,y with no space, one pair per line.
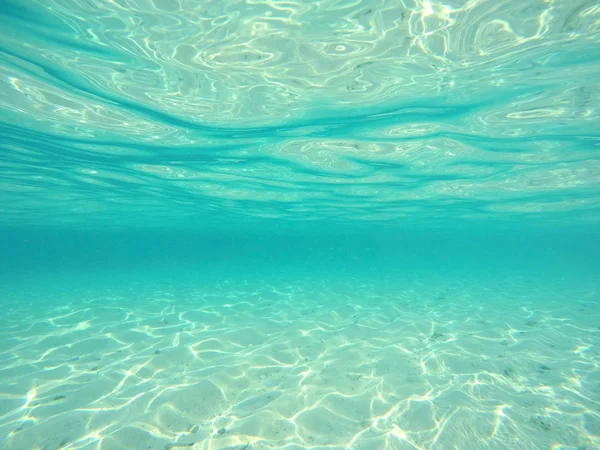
427,365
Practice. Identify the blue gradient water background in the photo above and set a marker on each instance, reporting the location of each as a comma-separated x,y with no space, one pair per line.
160,156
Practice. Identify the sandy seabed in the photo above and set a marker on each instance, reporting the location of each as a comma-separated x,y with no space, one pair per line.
426,364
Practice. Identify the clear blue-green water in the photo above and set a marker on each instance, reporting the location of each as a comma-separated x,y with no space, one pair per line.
299,224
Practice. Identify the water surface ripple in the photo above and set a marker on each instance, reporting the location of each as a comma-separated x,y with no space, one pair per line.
156,111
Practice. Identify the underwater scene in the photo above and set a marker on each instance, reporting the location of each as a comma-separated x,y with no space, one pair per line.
299,224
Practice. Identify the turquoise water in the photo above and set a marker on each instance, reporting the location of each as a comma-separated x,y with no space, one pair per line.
299,224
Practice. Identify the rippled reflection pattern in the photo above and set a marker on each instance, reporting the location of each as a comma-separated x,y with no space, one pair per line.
173,111
282,366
